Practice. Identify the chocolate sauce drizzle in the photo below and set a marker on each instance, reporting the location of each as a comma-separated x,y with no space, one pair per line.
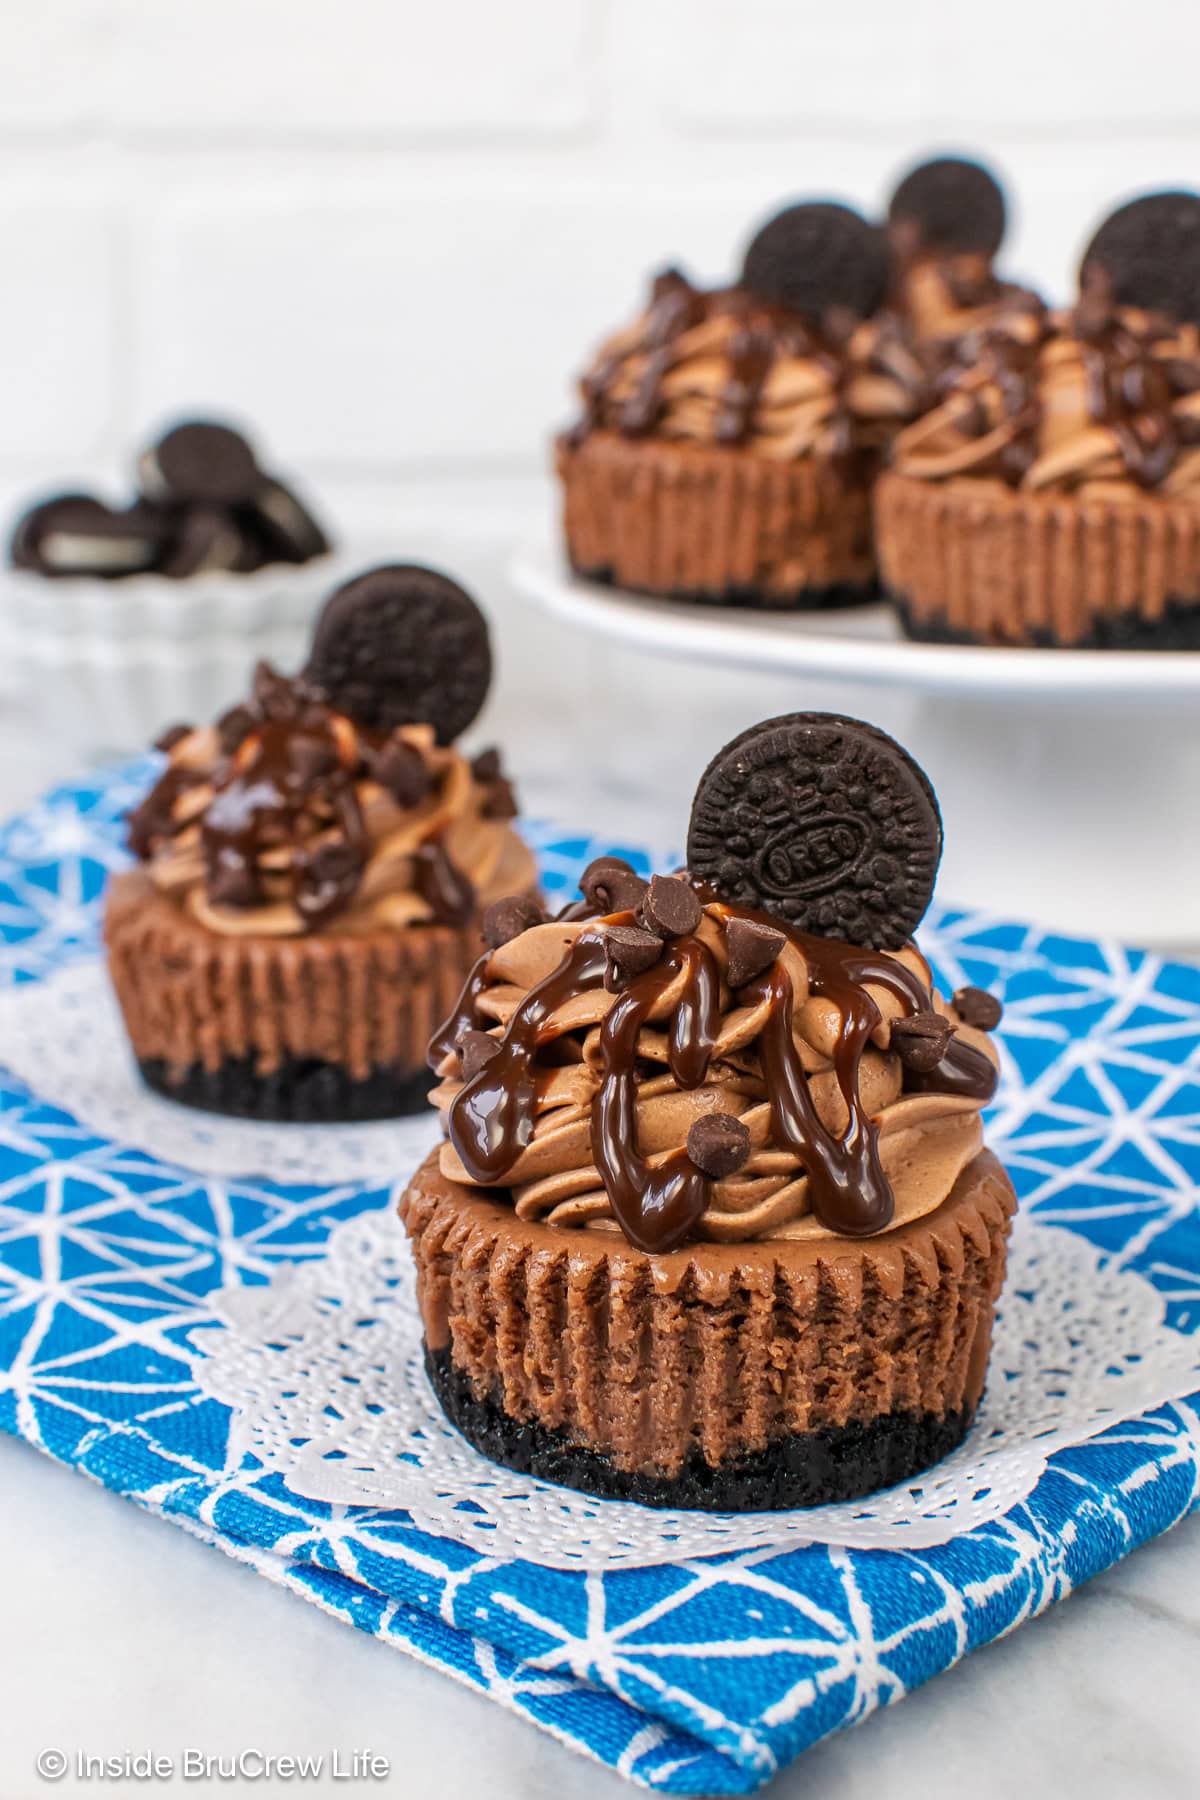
1127,389
493,1115
764,333
290,779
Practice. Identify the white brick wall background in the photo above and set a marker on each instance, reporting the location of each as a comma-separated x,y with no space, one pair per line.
386,233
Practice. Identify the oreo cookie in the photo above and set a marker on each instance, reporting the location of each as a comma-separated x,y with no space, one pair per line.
208,537
947,204
815,258
200,461
823,822
76,534
285,528
403,645
1147,254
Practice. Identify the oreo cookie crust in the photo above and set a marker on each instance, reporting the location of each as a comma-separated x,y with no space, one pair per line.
810,1468
823,822
300,1091
815,257
403,645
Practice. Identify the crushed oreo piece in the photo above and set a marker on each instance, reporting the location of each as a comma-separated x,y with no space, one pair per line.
506,919
669,907
403,645
750,949
718,1144
200,461
326,881
631,951
920,1040
610,885
977,1008
947,204
1147,254
475,1050
824,822
816,258
403,771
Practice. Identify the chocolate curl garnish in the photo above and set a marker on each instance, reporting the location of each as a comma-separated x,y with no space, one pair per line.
977,1008
920,1040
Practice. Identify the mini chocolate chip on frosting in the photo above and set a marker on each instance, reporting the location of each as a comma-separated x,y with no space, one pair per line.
669,907
977,1008
508,918
718,1144
751,946
631,950
288,818
610,885
475,1050
920,1041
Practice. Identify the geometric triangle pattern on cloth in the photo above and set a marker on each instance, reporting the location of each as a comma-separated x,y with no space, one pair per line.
697,1678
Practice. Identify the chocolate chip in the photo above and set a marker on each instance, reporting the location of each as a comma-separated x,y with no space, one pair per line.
275,695
750,948
506,919
669,907
403,771
233,879
976,1007
920,1040
718,1144
475,1049
948,204
310,758
403,645
816,257
1147,254
200,461
326,880
822,821
174,734
499,800
487,765
631,951
610,885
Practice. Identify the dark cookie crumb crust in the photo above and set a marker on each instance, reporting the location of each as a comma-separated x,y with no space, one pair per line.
1177,629
826,599
299,1092
812,1468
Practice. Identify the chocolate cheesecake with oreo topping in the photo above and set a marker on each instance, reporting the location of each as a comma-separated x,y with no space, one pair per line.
727,437
714,1224
313,869
1049,493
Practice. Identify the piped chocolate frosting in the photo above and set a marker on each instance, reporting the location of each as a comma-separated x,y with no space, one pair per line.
807,1053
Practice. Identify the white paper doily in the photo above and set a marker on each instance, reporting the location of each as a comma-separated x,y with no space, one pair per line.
324,1370
64,1038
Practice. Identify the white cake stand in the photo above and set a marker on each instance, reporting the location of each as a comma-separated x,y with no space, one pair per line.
1069,780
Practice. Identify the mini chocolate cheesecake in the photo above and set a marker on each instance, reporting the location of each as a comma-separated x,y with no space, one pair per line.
313,869
714,1224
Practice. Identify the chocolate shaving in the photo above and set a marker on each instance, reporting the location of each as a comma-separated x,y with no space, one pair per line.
718,1144
977,1008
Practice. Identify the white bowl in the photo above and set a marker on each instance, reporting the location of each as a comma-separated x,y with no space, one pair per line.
108,665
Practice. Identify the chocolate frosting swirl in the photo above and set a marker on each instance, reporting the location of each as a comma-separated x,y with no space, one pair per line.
723,367
287,818
1089,398
586,1108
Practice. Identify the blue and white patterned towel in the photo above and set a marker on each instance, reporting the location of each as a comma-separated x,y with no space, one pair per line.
701,1678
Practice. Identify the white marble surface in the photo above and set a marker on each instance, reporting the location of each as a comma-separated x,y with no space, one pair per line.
120,1633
